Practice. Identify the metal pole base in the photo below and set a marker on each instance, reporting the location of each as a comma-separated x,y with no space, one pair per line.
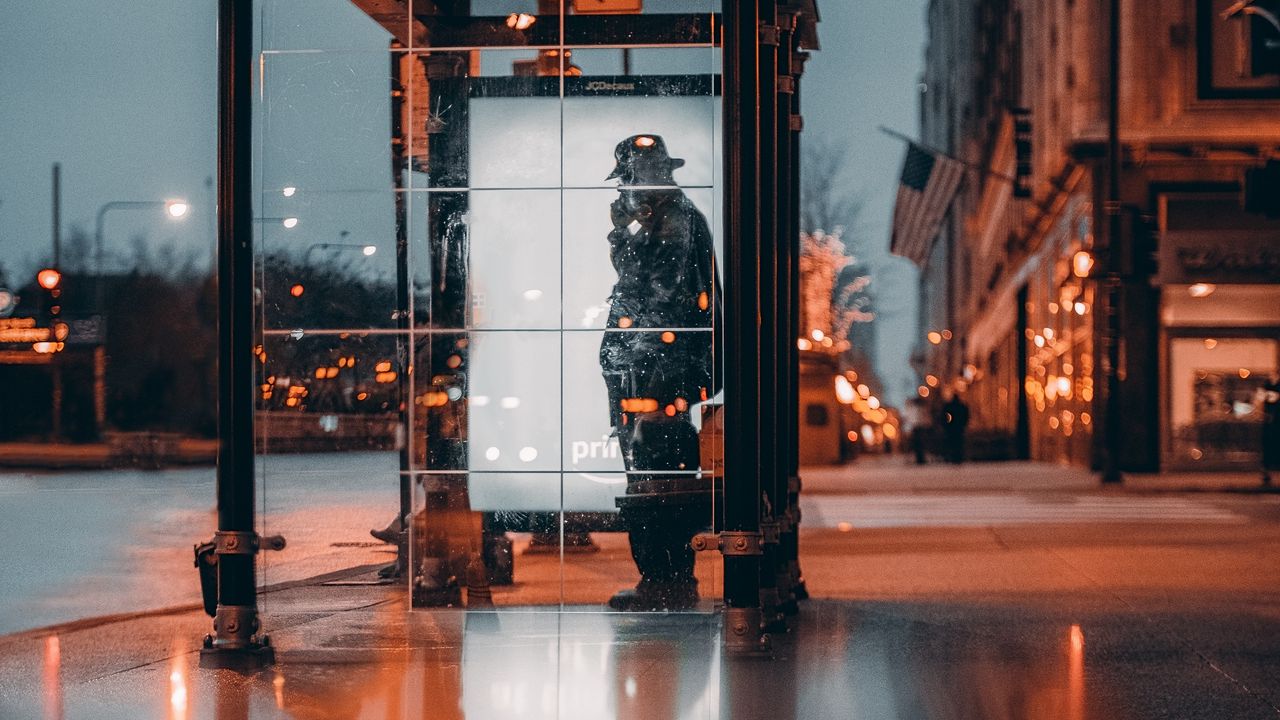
244,659
798,588
446,597
435,585
743,636
398,570
787,604
771,612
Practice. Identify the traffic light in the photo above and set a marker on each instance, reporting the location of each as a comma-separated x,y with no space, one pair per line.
50,280
1022,149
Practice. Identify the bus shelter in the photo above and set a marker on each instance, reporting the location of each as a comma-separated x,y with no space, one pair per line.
526,272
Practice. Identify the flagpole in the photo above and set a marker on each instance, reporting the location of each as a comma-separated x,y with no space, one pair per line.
934,151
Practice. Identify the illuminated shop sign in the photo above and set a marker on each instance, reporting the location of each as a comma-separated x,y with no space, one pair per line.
1222,256
26,331
23,330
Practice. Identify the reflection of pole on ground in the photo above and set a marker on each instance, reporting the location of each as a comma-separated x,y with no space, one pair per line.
52,677
1075,673
179,694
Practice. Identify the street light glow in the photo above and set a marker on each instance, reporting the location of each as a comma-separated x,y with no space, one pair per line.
290,222
1082,264
521,21
844,390
289,190
176,208
369,250
48,278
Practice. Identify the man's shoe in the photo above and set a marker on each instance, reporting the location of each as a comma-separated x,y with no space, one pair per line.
391,533
667,598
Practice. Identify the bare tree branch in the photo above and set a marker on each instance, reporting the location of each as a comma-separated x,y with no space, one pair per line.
828,201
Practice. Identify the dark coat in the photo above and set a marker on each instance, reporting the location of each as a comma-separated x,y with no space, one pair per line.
659,340
955,416
1271,425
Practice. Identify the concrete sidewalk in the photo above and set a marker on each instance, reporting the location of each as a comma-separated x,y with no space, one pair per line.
900,474
1110,621
1028,622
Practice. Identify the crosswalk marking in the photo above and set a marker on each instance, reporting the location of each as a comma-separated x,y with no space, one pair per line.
941,510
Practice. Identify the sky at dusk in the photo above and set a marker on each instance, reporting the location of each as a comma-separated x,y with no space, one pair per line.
123,95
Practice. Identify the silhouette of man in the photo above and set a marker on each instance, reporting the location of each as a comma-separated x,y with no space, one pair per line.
656,357
955,418
1270,427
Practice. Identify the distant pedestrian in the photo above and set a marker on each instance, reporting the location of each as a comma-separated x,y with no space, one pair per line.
917,418
954,420
1270,428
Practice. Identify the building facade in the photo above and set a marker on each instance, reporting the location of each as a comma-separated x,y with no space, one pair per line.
1018,290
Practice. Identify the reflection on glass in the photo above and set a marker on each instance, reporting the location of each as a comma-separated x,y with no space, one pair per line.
448,288
325,120
587,669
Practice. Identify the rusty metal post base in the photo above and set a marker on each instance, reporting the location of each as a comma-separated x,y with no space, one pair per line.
245,660
743,636
798,588
237,646
771,611
786,595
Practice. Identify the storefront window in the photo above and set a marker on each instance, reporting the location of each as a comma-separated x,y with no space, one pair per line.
1060,355
1215,397
1223,344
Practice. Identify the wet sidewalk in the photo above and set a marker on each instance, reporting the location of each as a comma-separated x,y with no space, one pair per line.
900,473
1106,621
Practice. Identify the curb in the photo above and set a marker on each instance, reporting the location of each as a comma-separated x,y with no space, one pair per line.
72,626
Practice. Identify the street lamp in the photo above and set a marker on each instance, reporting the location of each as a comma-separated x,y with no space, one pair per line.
174,208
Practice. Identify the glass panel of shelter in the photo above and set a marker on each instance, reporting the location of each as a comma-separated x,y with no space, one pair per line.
472,344
510,235
326,229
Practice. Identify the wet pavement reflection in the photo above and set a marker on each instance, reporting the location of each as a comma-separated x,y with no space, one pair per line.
844,659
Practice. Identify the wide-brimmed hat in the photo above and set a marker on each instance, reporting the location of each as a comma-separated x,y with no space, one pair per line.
647,150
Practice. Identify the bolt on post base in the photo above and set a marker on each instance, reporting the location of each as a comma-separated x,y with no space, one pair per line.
743,637
235,644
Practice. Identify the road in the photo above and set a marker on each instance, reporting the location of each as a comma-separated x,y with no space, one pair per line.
84,544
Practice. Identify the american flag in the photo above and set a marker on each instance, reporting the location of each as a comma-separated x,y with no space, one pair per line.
929,184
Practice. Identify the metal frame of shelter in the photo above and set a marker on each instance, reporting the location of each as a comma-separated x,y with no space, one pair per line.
763,44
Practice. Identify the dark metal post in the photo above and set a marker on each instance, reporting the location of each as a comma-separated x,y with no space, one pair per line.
791,541
55,361
57,216
404,340
235,642
740,540
770,364
1111,456
784,340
